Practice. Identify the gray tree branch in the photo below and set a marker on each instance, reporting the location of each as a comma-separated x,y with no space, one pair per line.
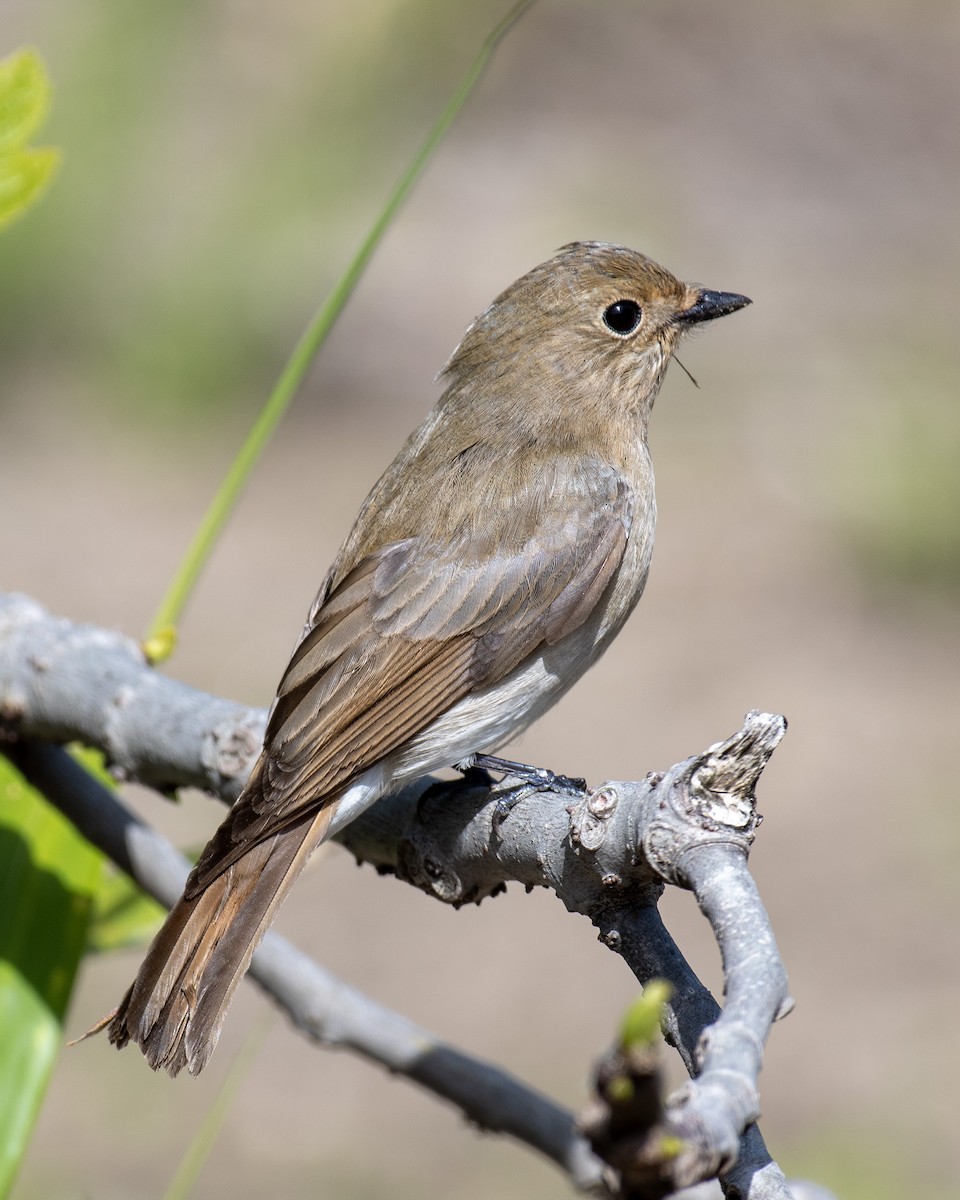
608,855
327,1010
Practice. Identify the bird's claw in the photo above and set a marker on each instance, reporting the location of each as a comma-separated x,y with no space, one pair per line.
519,781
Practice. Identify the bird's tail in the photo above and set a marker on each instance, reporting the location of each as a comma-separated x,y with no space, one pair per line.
176,1005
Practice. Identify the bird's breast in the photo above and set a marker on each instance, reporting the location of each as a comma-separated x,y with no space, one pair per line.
489,717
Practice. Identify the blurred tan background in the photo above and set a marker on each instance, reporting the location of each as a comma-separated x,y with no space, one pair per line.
221,162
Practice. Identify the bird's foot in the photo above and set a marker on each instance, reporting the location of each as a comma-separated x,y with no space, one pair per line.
519,781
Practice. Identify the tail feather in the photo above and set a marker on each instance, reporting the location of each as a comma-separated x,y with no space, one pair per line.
175,1007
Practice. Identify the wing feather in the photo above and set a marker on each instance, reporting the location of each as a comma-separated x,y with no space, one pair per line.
411,629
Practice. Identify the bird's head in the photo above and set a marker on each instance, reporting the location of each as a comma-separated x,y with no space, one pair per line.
572,355
596,316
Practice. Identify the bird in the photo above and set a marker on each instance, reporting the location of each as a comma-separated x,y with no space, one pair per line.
490,566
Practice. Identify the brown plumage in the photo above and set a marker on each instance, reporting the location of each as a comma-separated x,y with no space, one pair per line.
489,567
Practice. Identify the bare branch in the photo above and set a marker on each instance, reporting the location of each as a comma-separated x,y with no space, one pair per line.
592,855
606,855
323,1007
63,682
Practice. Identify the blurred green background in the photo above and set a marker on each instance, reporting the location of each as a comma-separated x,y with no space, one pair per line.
221,160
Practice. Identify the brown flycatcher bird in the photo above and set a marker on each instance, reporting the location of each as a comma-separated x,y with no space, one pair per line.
492,563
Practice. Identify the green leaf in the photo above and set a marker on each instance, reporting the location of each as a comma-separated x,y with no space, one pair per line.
25,172
24,176
48,878
24,98
122,916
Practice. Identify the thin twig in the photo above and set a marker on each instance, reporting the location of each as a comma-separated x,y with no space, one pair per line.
326,1009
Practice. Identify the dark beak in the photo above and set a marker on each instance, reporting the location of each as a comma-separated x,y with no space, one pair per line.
710,305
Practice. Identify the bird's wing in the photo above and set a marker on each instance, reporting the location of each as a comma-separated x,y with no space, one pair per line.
412,629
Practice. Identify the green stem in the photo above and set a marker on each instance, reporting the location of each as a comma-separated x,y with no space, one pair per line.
161,638
199,1149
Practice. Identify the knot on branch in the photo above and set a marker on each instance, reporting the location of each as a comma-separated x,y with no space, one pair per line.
229,749
707,1117
437,851
590,817
710,797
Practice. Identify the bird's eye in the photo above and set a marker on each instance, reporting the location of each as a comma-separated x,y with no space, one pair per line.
622,317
